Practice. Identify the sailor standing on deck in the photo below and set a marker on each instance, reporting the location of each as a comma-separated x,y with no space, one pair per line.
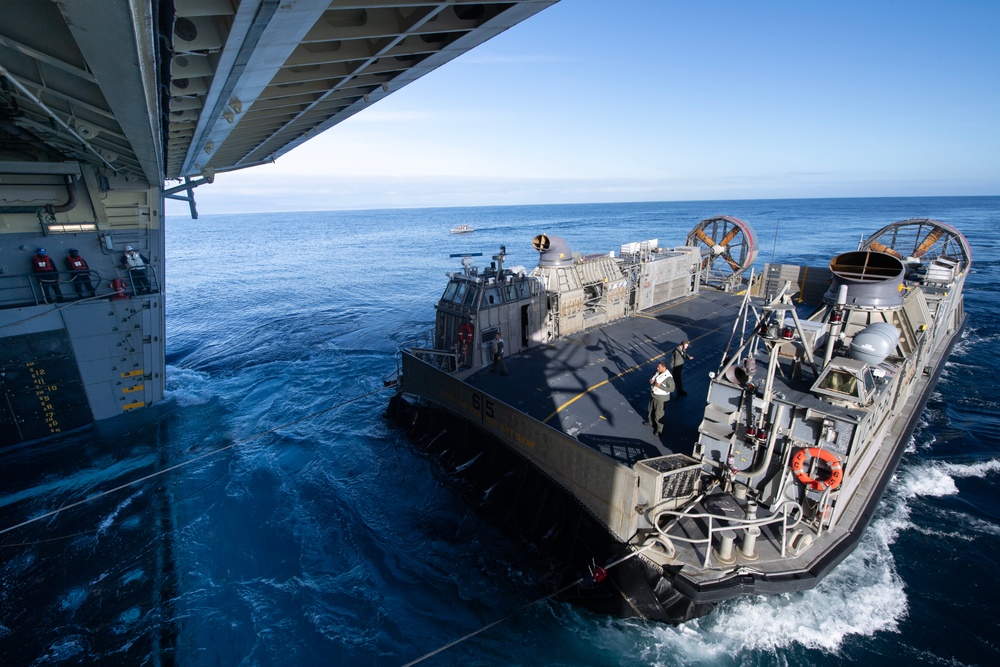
677,359
136,265
48,276
81,273
498,362
661,384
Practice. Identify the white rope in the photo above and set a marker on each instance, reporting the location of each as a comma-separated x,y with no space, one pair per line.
520,609
182,464
57,308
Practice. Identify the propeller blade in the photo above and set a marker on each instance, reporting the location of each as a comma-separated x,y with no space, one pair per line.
929,242
729,237
731,262
878,247
705,238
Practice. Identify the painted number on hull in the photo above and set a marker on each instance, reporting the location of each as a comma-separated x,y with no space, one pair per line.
484,406
43,390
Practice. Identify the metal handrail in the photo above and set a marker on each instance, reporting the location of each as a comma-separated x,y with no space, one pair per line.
28,283
125,274
733,523
23,289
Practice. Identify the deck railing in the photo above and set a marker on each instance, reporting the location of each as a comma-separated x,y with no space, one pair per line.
18,290
788,514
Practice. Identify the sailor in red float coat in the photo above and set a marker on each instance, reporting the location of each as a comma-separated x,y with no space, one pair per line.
48,277
81,273
465,339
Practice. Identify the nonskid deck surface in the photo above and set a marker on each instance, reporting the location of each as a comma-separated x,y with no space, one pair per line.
767,557
594,386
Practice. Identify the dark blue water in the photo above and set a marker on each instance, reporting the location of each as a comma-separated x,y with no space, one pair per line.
329,541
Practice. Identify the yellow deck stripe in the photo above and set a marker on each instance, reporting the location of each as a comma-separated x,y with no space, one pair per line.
604,382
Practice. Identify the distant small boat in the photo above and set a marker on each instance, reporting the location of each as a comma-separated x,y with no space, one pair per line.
463,229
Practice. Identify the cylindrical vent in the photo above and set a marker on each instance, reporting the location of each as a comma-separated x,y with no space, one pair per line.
874,343
872,279
554,251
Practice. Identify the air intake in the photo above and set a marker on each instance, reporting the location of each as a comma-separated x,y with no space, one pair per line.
554,251
873,279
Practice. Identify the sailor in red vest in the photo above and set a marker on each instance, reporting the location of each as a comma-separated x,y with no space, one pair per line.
465,341
136,265
81,273
48,276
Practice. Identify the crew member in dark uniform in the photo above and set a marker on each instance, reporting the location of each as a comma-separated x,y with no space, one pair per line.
498,363
81,273
48,276
677,359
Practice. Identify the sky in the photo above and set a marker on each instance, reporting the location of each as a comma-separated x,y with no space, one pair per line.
669,100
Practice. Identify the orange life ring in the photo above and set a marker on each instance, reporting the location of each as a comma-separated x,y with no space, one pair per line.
836,470
465,333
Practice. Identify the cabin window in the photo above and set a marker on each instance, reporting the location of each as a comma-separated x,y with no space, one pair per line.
511,291
841,382
470,298
869,382
493,296
449,292
462,287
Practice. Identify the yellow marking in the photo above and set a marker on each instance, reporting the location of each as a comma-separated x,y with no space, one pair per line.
131,374
603,417
802,285
126,390
132,406
615,377
670,305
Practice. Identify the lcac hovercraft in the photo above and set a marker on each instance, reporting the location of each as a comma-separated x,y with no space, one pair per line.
805,384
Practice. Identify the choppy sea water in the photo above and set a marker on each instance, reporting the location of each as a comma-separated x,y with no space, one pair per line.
314,534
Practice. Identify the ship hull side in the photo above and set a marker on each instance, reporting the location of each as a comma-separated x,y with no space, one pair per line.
515,494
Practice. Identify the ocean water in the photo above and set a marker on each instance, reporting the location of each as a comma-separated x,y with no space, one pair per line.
299,528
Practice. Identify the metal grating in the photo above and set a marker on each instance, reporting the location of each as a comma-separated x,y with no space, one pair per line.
680,475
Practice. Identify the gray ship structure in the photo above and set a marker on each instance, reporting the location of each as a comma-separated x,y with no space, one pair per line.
804,387
108,108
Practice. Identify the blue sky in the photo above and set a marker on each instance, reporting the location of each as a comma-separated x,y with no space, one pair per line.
650,100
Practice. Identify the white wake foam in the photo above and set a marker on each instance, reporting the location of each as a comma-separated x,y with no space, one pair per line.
864,595
188,387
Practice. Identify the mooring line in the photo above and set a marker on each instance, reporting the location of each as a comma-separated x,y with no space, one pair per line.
58,307
520,609
185,463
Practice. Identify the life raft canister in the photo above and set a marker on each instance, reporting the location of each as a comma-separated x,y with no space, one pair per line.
836,470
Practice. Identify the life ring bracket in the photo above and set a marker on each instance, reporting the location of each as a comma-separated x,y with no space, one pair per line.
818,483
